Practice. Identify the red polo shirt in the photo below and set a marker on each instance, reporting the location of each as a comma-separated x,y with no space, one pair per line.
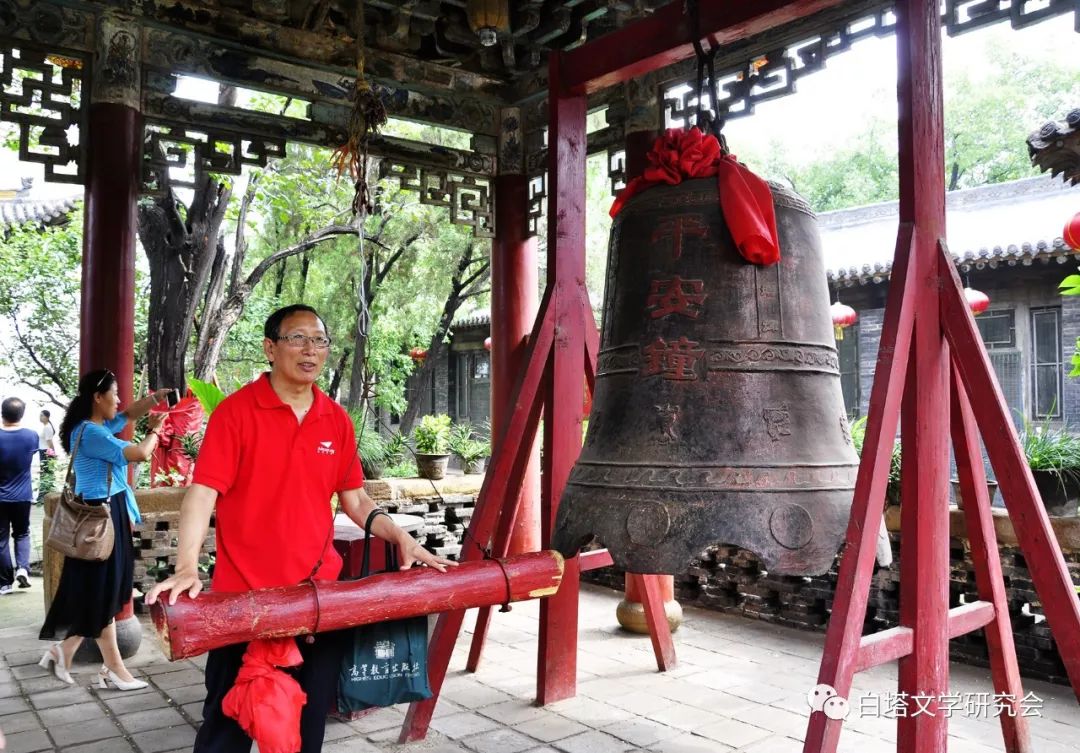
275,477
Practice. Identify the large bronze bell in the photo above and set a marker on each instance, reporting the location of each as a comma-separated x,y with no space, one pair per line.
717,415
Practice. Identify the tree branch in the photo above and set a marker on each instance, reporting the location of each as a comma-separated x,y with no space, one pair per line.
53,376
314,239
385,270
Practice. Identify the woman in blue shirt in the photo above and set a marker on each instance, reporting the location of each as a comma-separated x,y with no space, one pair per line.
91,593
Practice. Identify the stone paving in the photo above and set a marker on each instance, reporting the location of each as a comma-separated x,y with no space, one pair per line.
740,685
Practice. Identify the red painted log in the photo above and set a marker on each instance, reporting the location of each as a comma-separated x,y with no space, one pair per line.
193,626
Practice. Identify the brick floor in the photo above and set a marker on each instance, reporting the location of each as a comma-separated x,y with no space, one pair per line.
740,686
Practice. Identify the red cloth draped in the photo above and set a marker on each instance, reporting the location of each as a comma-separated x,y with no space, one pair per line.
265,701
745,199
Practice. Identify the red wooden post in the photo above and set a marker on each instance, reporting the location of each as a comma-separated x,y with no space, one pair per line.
557,659
988,578
193,626
924,555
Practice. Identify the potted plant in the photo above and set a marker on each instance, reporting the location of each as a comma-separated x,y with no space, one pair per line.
432,440
892,491
471,451
374,452
1053,455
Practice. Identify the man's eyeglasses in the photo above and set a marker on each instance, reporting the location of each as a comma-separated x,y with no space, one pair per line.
299,341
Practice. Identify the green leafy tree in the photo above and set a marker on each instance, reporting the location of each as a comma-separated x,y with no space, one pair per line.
41,269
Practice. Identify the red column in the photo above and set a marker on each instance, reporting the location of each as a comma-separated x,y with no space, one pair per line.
107,320
514,303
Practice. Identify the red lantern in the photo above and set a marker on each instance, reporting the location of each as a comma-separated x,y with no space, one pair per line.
842,316
418,354
487,343
1072,232
977,301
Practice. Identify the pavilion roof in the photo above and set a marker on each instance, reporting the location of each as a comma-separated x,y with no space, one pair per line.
42,211
1055,147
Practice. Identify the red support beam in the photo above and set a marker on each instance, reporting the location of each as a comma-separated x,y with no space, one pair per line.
982,540
895,643
107,319
839,660
667,36
503,477
651,591
194,626
557,657
1040,547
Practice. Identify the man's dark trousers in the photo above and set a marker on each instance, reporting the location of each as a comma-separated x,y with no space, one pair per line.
14,517
318,676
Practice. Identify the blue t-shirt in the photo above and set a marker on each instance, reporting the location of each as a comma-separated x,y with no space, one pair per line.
17,450
98,449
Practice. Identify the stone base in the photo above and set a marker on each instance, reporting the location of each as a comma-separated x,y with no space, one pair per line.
128,639
631,615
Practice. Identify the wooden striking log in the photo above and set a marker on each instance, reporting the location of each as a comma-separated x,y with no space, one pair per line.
193,626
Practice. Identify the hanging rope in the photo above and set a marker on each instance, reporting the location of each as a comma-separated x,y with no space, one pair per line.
367,116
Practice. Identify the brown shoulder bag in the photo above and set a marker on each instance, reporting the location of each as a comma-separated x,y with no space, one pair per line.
79,530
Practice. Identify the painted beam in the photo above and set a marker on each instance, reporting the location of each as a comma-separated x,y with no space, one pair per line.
504,475
667,37
1040,547
169,52
335,52
165,109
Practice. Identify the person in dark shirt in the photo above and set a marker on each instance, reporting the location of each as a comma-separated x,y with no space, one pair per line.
17,449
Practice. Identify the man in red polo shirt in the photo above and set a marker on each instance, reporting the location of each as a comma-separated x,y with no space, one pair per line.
273,455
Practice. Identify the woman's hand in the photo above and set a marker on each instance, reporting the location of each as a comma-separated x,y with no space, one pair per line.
410,551
155,420
174,585
161,394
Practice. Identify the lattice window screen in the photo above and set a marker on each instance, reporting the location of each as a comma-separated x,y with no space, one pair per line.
1009,373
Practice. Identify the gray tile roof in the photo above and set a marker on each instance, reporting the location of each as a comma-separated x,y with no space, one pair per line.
996,226
43,211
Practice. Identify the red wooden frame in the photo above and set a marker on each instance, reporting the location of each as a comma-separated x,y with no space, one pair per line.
929,346
931,359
